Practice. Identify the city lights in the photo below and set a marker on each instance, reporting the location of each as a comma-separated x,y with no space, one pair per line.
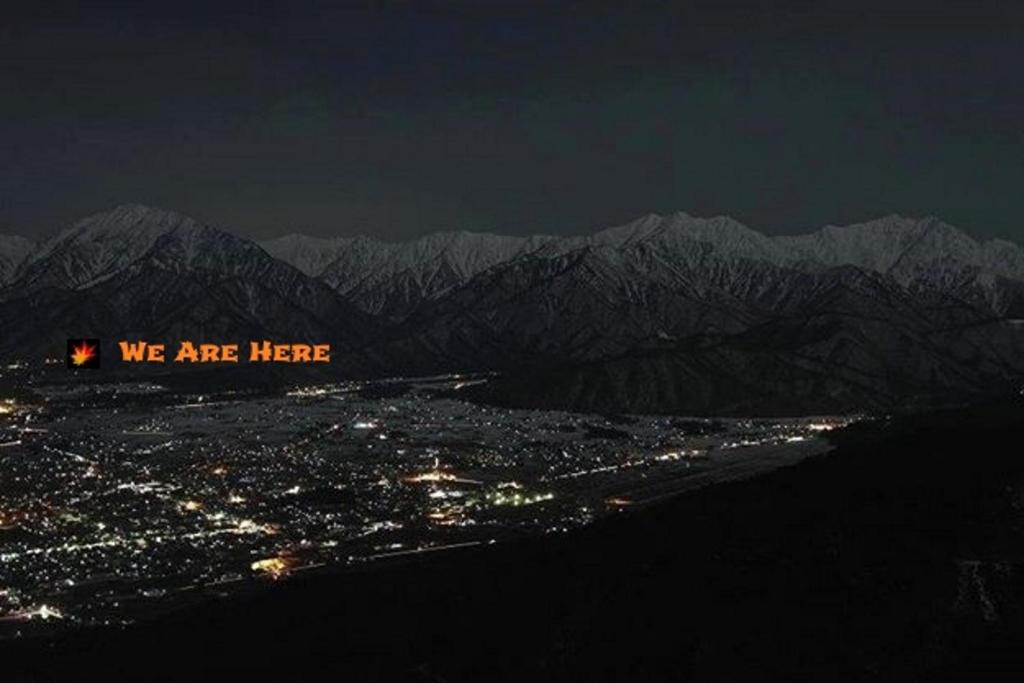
108,515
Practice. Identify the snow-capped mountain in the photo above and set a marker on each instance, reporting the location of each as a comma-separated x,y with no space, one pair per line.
686,235
143,272
925,255
309,254
131,239
905,249
99,246
922,254
13,251
673,315
842,326
393,278
901,247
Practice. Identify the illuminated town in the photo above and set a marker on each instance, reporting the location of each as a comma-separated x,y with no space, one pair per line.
118,501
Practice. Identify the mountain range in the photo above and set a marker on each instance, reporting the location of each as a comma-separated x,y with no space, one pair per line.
668,313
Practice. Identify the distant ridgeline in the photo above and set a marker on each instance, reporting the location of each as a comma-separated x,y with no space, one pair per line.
664,314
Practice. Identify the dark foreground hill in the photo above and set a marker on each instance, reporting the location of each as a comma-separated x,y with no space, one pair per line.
816,365
897,557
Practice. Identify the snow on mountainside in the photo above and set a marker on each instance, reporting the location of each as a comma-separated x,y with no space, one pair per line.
109,244
679,232
99,246
133,241
13,251
894,245
902,247
309,254
1003,257
141,271
395,279
921,254
391,279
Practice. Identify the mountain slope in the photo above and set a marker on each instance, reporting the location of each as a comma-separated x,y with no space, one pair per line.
818,365
13,251
98,247
393,279
926,255
902,246
141,272
309,254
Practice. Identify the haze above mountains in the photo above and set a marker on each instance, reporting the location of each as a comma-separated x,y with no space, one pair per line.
664,314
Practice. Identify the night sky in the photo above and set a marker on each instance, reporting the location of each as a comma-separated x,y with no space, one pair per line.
400,119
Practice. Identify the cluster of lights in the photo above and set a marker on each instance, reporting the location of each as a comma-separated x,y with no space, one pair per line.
426,477
236,501
274,567
679,455
44,612
303,392
517,499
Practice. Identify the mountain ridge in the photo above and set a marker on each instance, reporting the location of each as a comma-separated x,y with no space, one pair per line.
905,249
888,312
142,272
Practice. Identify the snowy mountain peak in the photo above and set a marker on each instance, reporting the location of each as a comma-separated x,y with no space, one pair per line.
103,244
309,254
903,247
394,278
14,249
132,217
128,227
724,235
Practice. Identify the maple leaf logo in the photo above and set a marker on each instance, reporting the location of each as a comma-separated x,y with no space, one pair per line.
83,353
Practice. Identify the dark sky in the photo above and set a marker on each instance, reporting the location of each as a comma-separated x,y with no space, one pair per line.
398,119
